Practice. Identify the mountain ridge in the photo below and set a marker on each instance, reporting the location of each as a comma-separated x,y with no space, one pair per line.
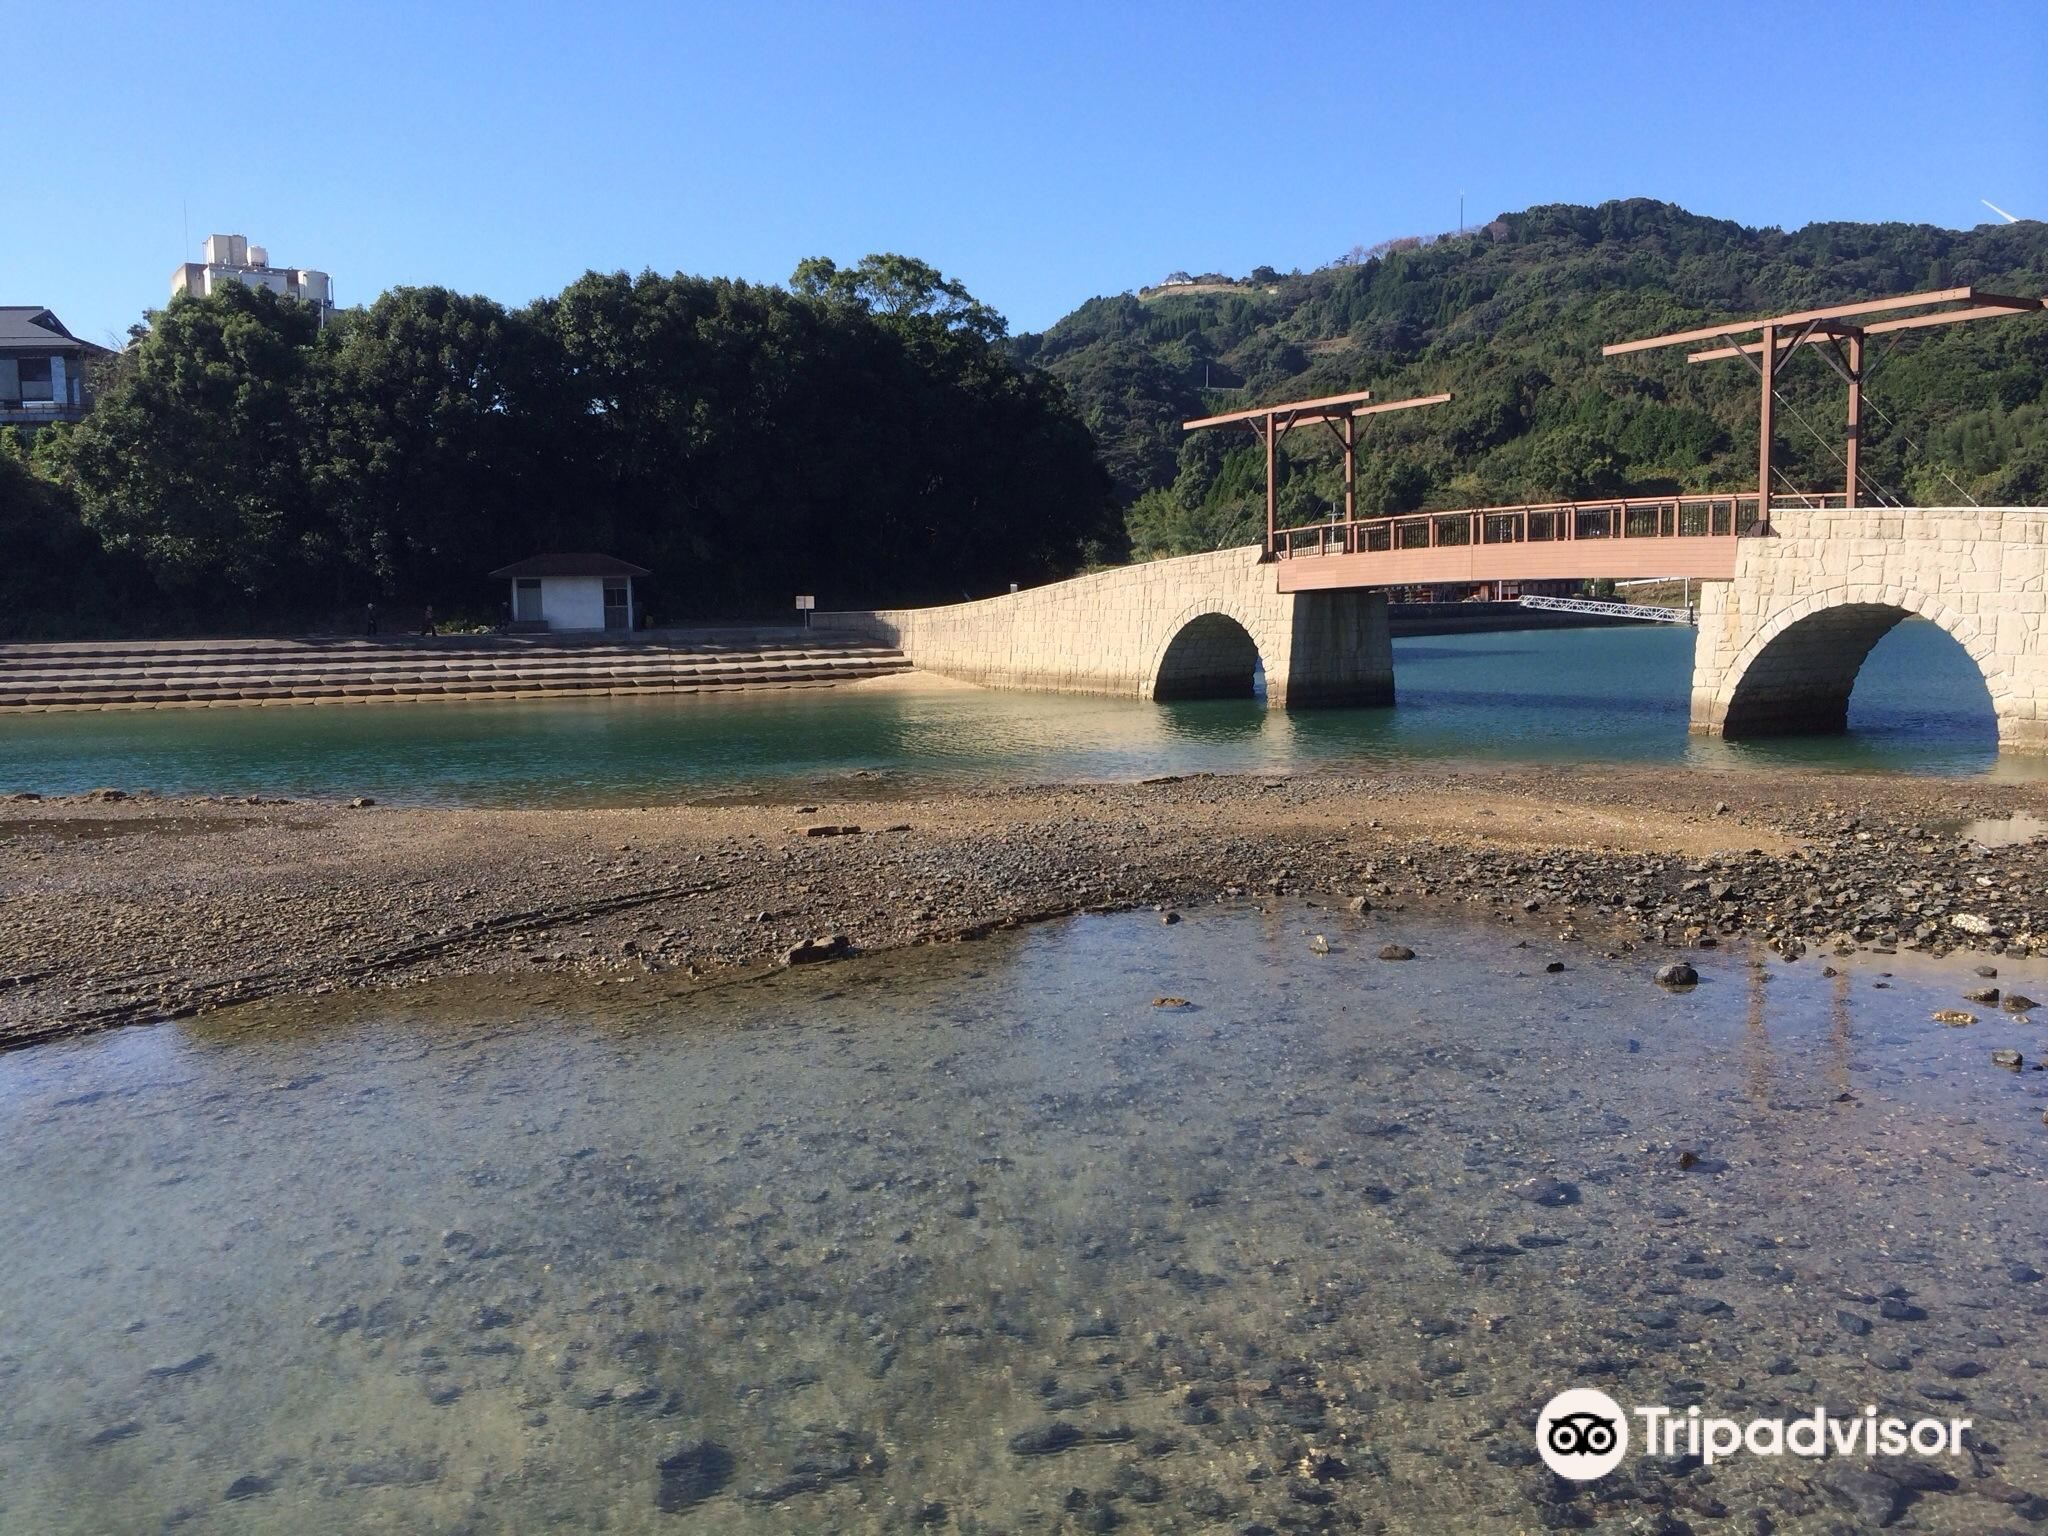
1509,316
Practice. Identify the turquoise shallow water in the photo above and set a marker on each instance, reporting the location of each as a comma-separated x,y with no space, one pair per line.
981,1240
1609,695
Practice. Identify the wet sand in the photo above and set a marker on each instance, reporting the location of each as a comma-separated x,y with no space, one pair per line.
131,910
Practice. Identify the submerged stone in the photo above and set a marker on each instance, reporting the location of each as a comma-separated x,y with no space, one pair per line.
692,1473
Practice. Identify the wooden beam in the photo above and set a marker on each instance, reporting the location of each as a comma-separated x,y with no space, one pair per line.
1832,312
1326,402
1400,405
1882,327
1364,410
1950,316
1766,365
1853,459
1272,436
1350,470
1750,349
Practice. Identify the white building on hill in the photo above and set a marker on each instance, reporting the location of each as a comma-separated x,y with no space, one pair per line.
232,259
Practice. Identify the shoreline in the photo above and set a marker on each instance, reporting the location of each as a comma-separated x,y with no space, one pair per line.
121,910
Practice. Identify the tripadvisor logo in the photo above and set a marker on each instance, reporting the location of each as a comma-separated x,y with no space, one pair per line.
1583,1434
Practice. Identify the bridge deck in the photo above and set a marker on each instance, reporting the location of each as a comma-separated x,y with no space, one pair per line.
1679,536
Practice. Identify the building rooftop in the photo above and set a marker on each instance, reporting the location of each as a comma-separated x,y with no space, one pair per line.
30,326
569,565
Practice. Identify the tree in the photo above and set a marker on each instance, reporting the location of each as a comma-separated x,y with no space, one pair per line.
438,421
898,288
195,460
1573,463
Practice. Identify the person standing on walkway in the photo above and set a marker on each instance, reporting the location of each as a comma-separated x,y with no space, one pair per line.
369,618
427,622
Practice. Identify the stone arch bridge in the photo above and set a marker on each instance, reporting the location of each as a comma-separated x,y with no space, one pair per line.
1190,628
1789,609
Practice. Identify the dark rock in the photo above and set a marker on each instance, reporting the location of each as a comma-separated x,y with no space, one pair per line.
1547,1191
184,1367
361,803
2008,1059
1679,973
1396,952
2017,1002
1553,967
692,1473
810,951
1138,1485
1046,1440
248,1486
1874,1499
394,1471
828,830
1981,995
1852,1323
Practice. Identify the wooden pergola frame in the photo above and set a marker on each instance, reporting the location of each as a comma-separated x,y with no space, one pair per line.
1780,336
1339,413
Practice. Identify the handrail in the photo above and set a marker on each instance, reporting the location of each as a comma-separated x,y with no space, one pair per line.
1738,514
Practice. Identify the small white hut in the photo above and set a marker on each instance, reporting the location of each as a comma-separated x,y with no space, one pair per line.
573,592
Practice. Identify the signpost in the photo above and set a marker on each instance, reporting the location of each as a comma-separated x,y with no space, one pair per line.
804,604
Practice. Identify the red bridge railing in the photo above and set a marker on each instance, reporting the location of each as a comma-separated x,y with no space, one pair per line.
1660,517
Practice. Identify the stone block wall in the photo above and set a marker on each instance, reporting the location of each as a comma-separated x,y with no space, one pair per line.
1109,632
1780,644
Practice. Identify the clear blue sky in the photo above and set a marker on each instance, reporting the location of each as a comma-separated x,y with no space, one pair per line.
1042,153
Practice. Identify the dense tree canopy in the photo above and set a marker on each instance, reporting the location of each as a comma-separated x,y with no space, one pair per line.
1511,318
861,438
872,434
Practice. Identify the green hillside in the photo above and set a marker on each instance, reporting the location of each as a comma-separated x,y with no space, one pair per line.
1511,317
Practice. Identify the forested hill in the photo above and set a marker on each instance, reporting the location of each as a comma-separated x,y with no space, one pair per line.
859,436
1511,318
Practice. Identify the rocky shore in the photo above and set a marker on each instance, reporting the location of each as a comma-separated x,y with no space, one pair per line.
120,908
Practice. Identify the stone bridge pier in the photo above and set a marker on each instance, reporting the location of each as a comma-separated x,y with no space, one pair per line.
1780,645
1197,627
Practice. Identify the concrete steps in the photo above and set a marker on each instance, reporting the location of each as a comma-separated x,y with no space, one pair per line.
188,674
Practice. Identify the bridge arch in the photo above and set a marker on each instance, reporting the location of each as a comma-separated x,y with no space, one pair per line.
1190,626
1798,669
1207,654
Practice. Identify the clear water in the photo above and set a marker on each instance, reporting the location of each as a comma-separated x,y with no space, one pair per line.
1608,695
843,1248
